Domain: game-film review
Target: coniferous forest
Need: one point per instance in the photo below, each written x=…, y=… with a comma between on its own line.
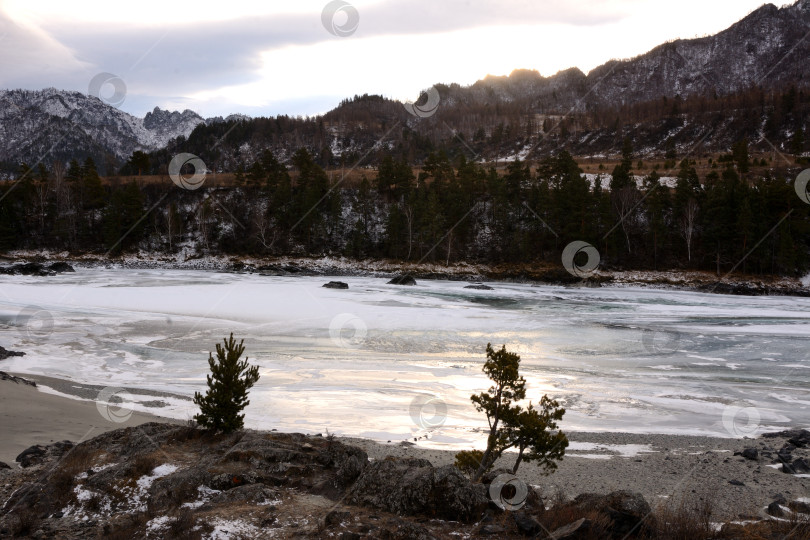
x=449, y=210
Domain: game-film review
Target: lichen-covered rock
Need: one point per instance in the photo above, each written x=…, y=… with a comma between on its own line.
x=415, y=487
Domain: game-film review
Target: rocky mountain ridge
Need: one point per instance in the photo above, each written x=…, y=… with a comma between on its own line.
x=64, y=125
x=766, y=50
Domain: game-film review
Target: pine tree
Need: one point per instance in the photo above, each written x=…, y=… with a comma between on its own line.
x=123, y=219
x=535, y=435
x=228, y=386
x=532, y=431
x=499, y=402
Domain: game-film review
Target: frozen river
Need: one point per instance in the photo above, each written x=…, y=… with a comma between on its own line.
x=392, y=362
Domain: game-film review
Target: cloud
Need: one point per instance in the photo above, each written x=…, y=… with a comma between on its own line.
x=239, y=57
x=29, y=56
x=191, y=57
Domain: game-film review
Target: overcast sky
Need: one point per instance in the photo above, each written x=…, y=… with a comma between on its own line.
x=303, y=56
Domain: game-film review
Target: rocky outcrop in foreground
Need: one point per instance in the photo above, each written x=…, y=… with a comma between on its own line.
x=168, y=481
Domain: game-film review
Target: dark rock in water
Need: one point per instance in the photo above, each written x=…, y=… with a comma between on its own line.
x=26, y=269
x=336, y=285
x=578, y=529
x=13, y=378
x=60, y=267
x=4, y=465
x=799, y=466
x=480, y=287
x=750, y=453
x=527, y=524
x=403, y=279
x=36, y=269
x=5, y=353
x=414, y=487
x=625, y=508
x=775, y=509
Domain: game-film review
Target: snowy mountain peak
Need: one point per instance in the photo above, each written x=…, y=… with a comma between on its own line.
x=60, y=124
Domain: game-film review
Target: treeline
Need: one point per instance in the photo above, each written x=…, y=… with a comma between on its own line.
x=485, y=129
x=453, y=210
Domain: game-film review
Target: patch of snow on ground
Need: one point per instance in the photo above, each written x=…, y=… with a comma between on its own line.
x=623, y=450
x=145, y=482
x=226, y=529
x=136, y=496
x=157, y=524
x=205, y=494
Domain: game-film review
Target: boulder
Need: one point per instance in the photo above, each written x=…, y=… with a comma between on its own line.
x=578, y=529
x=750, y=453
x=415, y=487
x=800, y=507
x=34, y=455
x=27, y=269
x=350, y=468
x=336, y=285
x=60, y=266
x=533, y=503
x=527, y=525
x=31, y=456
x=785, y=454
x=480, y=287
x=799, y=466
x=173, y=490
x=226, y=481
x=797, y=437
x=625, y=508
x=402, y=279
x=4, y=465
x=5, y=353
x=775, y=509
x=36, y=269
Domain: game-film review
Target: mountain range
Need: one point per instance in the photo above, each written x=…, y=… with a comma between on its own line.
x=766, y=51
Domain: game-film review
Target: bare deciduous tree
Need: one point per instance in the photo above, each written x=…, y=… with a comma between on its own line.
x=688, y=225
x=266, y=234
x=624, y=202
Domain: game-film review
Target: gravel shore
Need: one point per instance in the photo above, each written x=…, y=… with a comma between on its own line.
x=664, y=468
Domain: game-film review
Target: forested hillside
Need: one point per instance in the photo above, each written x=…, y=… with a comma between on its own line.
x=452, y=210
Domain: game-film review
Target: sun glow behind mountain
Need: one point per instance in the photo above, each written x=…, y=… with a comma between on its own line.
x=269, y=58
